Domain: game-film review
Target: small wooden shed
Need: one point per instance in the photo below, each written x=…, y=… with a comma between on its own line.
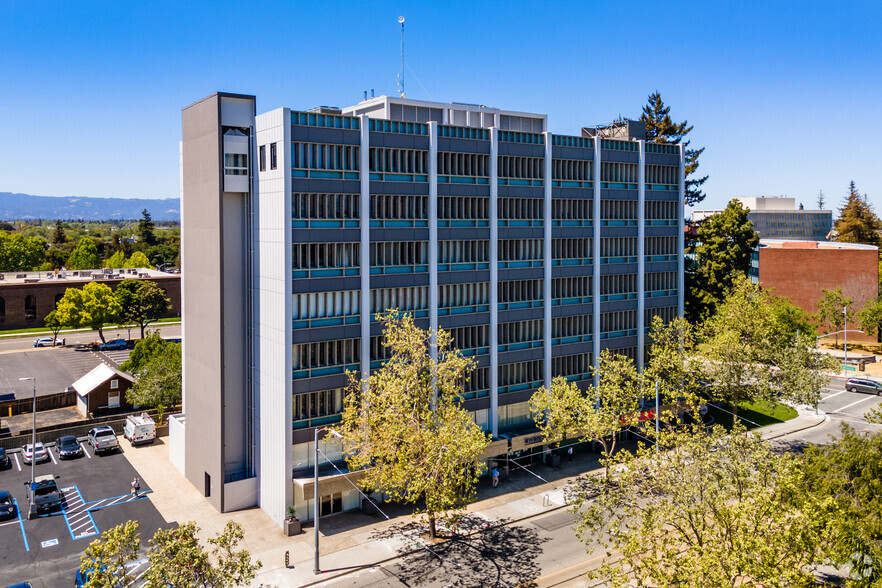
x=103, y=387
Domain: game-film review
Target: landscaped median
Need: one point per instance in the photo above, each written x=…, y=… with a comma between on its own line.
x=752, y=414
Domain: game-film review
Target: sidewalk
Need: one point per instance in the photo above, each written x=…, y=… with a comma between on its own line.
x=347, y=540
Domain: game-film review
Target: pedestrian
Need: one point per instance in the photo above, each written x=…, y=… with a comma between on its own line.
x=136, y=486
x=494, y=473
x=570, y=454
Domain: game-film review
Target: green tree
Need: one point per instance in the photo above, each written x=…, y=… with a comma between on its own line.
x=116, y=261
x=19, y=253
x=158, y=383
x=137, y=260
x=57, y=258
x=93, y=306
x=105, y=559
x=145, y=230
x=842, y=489
x=821, y=200
x=85, y=256
x=145, y=349
x=832, y=310
x=857, y=223
x=58, y=236
x=178, y=560
x=660, y=128
x=142, y=302
x=566, y=412
x=793, y=321
x=870, y=317
x=715, y=510
x=726, y=242
x=53, y=323
x=406, y=427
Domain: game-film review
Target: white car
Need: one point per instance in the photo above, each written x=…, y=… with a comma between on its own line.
x=47, y=342
x=36, y=452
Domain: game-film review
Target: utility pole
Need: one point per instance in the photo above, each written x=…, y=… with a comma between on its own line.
x=32, y=508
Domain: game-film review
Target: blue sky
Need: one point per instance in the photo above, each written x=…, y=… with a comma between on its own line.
x=783, y=95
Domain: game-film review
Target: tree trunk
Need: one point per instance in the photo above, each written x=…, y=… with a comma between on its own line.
x=432, y=529
x=142, y=329
x=101, y=335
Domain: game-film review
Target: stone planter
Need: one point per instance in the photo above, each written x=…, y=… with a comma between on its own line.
x=292, y=527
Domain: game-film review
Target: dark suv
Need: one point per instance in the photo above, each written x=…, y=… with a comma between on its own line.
x=863, y=385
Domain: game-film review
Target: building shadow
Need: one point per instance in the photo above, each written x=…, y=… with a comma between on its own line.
x=475, y=553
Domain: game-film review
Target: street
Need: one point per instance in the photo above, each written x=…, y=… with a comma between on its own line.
x=26, y=342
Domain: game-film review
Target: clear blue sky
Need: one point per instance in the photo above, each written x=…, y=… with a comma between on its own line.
x=783, y=95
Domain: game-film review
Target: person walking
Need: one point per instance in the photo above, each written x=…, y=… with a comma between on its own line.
x=570, y=454
x=494, y=474
x=136, y=486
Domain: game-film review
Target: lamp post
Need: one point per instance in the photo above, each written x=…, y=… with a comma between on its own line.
x=315, y=493
x=31, y=508
x=845, y=361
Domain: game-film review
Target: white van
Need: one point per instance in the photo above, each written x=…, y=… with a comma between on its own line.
x=140, y=429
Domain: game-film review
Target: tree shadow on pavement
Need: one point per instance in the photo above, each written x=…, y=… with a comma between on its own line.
x=475, y=553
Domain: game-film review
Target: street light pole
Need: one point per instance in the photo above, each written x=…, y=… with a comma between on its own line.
x=33, y=442
x=845, y=362
x=315, y=495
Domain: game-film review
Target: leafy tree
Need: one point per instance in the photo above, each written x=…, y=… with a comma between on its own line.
x=53, y=323
x=58, y=236
x=145, y=349
x=85, y=256
x=142, y=302
x=145, y=230
x=661, y=129
x=105, y=559
x=93, y=306
x=158, y=383
x=715, y=510
x=566, y=412
x=406, y=427
x=870, y=317
x=116, y=261
x=726, y=243
x=793, y=321
x=56, y=258
x=138, y=259
x=20, y=253
x=857, y=223
x=178, y=560
x=842, y=488
x=6, y=226
x=748, y=357
x=832, y=310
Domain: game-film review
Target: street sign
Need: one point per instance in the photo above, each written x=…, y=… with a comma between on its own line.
x=849, y=368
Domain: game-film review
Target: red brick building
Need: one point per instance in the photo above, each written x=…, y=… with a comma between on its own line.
x=800, y=270
x=27, y=297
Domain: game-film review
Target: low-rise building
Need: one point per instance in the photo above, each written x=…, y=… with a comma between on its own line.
x=103, y=388
x=778, y=217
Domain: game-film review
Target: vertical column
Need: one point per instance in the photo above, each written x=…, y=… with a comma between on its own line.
x=547, y=261
x=681, y=229
x=364, y=254
x=433, y=235
x=596, y=264
x=641, y=252
x=494, y=282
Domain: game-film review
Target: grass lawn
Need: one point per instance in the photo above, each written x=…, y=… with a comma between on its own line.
x=755, y=414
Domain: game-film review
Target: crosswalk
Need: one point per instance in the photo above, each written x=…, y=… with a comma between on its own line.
x=78, y=512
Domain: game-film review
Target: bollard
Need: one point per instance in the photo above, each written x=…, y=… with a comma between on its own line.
x=287, y=559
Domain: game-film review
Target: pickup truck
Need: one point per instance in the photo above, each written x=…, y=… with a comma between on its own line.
x=103, y=439
x=44, y=494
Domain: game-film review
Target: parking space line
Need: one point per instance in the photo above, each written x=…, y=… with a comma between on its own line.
x=18, y=465
x=21, y=525
x=49, y=451
x=8, y=523
x=83, y=447
x=833, y=395
x=853, y=403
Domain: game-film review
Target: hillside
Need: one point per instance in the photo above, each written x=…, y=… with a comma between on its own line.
x=28, y=207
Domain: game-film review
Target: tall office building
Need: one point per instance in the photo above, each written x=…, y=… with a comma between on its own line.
x=777, y=217
x=535, y=250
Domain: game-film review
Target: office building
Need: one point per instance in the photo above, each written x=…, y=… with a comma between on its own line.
x=779, y=218
x=535, y=250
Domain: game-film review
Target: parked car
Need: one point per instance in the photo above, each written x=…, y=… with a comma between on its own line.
x=113, y=344
x=7, y=506
x=103, y=439
x=44, y=493
x=36, y=452
x=68, y=446
x=4, y=459
x=140, y=429
x=47, y=342
x=863, y=385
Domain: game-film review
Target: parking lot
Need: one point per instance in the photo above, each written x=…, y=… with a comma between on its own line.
x=97, y=496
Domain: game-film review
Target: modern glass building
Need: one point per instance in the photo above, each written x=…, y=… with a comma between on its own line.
x=535, y=250
x=777, y=217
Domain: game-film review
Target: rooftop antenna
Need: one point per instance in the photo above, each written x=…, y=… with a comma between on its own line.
x=401, y=75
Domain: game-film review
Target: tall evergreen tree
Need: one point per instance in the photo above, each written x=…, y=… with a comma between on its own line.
x=660, y=128
x=145, y=229
x=821, y=200
x=58, y=236
x=857, y=222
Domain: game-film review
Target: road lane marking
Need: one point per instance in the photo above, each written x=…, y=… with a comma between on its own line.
x=21, y=524
x=853, y=403
x=833, y=395
x=49, y=451
x=83, y=447
x=18, y=465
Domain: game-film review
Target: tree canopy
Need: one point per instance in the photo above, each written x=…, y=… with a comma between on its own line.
x=85, y=256
x=157, y=367
x=405, y=425
x=725, y=245
x=146, y=228
x=19, y=253
x=93, y=306
x=660, y=128
x=857, y=223
x=141, y=302
x=832, y=310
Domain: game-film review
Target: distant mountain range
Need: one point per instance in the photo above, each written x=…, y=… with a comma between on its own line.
x=27, y=207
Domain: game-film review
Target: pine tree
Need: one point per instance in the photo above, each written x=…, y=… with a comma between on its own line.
x=58, y=237
x=145, y=229
x=821, y=200
x=857, y=222
x=660, y=128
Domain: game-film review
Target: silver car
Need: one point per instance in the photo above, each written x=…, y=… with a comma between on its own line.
x=36, y=452
x=864, y=385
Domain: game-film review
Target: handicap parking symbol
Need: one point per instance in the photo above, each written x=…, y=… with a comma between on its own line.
x=49, y=543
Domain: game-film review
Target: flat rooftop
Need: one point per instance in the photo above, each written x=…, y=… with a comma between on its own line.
x=81, y=276
x=787, y=244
